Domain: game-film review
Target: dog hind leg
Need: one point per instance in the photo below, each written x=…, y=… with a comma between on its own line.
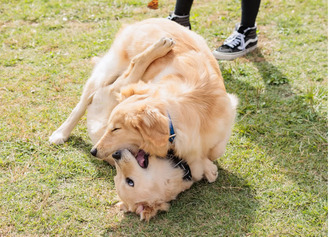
x=142, y=61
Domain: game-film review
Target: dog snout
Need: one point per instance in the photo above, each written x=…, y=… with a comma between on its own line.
x=117, y=155
x=93, y=151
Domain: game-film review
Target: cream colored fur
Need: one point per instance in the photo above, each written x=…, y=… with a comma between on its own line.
x=154, y=187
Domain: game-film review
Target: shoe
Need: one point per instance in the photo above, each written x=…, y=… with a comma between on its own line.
x=242, y=41
x=182, y=20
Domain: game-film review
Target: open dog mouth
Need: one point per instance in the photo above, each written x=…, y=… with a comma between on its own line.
x=142, y=159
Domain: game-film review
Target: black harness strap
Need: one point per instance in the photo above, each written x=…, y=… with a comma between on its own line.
x=179, y=163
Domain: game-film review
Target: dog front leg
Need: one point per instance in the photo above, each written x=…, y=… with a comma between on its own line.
x=63, y=132
x=204, y=168
x=210, y=170
x=105, y=73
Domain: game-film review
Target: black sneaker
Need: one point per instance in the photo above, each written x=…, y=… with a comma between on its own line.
x=182, y=20
x=241, y=42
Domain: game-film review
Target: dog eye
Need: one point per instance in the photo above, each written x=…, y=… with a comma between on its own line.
x=130, y=182
x=114, y=129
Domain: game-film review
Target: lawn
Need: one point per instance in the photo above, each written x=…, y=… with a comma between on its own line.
x=273, y=178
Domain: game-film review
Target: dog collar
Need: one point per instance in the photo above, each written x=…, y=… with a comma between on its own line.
x=172, y=134
x=179, y=163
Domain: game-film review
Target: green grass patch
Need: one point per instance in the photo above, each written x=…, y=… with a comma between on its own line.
x=273, y=177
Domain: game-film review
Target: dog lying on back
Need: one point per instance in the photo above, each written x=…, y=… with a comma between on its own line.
x=170, y=97
x=146, y=184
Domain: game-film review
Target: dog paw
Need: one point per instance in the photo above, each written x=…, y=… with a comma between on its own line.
x=95, y=60
x=122, y=206
x=167, y=42
x=211, y=172
x=57, y=138
x=164, y=45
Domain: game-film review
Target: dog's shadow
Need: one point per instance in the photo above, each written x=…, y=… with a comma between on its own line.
x=212, y=208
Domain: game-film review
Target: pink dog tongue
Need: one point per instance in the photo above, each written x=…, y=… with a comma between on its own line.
x=141, y=158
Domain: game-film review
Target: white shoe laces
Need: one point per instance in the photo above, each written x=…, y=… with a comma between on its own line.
x=235, y=39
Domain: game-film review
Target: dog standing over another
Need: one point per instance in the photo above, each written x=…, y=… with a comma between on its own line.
x=186, y=95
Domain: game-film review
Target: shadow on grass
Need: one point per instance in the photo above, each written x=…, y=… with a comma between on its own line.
x=79, y=143
x=225, y=207
x=282, y=122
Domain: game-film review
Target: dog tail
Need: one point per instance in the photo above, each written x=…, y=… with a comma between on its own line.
x=234, y=101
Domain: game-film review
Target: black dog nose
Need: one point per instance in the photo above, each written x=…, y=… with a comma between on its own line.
x=117, y=155
x=94, y=151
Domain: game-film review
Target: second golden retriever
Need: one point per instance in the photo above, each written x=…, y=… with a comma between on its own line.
x=146, y=184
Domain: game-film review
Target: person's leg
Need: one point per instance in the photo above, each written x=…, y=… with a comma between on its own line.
x=244, y=38
x=183, y=7
x=249, y=11
x=181, y=15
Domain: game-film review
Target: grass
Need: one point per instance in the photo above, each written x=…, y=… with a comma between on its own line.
x=273, y=178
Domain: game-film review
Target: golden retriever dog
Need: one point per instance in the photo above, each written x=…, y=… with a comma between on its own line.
x=123, y=64
x=186, y=95
x=147, y=184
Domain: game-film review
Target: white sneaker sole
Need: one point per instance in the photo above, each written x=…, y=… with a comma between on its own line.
x=231, y=56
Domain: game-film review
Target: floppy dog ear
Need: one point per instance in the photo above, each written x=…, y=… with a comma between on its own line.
x=153, y=127
x=147, y=211
x=133, y=89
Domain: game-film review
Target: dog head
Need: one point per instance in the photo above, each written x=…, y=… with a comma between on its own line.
x=146, y=184
x=134, y=124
